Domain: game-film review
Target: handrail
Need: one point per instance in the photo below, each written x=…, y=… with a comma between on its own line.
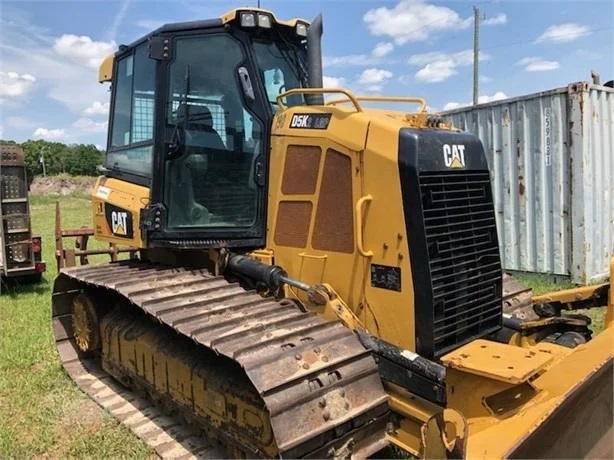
x=359, y=241
x=415, y=100
x=292, y=91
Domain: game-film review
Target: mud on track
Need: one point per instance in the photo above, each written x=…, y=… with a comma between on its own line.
x=301, y=365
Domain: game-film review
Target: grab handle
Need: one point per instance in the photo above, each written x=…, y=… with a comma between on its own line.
x=412, y=100
x=359, y=245
x=351, y=98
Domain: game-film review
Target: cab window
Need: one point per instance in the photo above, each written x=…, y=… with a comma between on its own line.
x=132, y=121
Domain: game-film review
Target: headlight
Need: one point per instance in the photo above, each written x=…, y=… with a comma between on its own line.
x=248, y=20
x=301, y=29
x=264, y=21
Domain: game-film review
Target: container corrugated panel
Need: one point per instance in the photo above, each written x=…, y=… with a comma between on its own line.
x=551, y=157
x=591, y=118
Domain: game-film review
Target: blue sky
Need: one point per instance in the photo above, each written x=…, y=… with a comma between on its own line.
x=50, y=51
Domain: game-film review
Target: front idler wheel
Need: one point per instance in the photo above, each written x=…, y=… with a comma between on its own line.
x=86, y=326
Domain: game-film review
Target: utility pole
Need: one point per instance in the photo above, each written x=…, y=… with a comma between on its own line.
x=42, y=161
x=476, y=53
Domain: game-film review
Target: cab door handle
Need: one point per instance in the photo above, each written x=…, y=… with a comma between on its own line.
x=359, y=243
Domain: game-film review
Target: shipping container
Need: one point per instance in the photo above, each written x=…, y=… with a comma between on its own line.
x=551, y=159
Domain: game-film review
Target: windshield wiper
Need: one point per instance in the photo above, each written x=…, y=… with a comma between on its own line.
x=178, y=138
x=292, y=56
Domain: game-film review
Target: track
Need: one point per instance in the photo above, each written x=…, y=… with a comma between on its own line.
x=168, y=437
x=318, y=385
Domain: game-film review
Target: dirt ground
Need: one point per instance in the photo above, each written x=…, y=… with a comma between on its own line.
x=62, y=185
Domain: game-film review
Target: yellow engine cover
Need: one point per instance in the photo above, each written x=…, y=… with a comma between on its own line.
x=116, y=207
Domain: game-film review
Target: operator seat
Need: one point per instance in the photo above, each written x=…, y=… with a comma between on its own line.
x=199, y=128
x=186, y=171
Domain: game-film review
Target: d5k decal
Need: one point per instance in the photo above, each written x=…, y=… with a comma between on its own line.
x=310, y=120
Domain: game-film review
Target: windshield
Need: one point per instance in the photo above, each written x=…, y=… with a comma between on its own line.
x=283, y=67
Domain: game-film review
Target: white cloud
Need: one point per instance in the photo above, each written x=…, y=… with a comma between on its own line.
x=373, y=80
x=83, y=50
x=353, y=59
x=453, y=105
x=370, y=80
x=374, y=76
x=498, y=96
x=14, y=85
x=48, y=134
x=439, y=66
x=460, y=58
x=499, y=19
x=413, y=21
x=81, y=127
x=537, y=64
x=375, y=57
x=436, y=72
x=97, y=108
x=485, y=79
x=382, y=49
x=333, y=82
x=63, y=66
x=563, y=33
x=86, y=125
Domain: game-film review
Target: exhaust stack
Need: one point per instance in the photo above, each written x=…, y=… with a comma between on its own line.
x=314, y=60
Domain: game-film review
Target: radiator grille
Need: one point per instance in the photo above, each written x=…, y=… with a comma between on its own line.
x=463, y=256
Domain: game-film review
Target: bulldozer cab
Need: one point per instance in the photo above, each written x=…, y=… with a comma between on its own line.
x=191, y=111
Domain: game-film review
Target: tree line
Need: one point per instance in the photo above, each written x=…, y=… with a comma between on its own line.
x=58, y=158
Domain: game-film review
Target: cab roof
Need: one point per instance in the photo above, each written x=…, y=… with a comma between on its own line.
x=105, y=71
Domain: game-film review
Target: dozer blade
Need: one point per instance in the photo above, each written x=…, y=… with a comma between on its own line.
x=262, y=377
x=570, y=415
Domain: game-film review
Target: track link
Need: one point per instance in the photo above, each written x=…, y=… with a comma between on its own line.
x=319, y=385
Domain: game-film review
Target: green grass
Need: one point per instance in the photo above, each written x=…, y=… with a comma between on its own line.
x=541, y=284
x=42, y=412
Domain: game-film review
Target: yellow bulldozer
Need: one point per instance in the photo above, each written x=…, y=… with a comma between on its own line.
x=309, y=274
